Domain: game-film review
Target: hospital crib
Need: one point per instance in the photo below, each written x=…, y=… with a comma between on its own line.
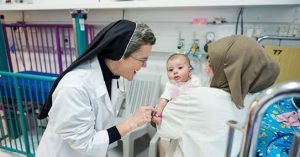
x=36, y=55
x=47, y=48
x=255, y=117
x=21, y=99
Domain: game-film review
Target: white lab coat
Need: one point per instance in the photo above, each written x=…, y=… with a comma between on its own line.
x=80, y=115
x=195, y=121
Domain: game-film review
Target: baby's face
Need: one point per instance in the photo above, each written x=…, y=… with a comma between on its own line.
x=178, y=69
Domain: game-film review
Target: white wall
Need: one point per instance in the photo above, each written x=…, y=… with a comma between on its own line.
x=167, y=23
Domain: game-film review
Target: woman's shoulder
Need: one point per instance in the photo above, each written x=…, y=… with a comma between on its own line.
x=209, y=92
x=82, y=77
x=76, y=77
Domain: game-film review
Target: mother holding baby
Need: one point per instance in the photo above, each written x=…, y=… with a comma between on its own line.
x=237, y=65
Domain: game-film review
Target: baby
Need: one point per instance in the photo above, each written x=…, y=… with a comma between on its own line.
x=180, y=78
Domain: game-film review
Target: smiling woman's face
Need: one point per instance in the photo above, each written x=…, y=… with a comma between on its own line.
x=130, y=65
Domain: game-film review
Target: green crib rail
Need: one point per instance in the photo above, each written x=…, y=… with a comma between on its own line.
x=21, y=98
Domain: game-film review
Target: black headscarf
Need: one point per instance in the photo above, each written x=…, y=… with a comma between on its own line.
x=111, y=42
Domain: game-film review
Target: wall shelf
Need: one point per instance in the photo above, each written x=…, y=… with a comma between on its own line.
x=108, y=4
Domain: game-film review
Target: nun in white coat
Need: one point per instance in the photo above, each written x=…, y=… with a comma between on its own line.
x=80, y=109
x=196, y=120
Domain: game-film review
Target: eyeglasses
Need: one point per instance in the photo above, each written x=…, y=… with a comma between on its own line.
x=144, y=62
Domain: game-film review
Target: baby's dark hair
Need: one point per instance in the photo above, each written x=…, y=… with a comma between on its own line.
x=180, y=54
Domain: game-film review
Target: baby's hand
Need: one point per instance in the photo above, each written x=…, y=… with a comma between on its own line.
x=156, y=117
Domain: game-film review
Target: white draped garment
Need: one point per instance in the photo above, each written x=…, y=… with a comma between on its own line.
x=195, y=121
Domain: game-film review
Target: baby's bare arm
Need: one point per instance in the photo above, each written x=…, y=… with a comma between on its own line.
x=157, y=117
x=161, y=104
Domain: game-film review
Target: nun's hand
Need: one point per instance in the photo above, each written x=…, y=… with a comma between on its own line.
x=156, y=117
x=140, y=117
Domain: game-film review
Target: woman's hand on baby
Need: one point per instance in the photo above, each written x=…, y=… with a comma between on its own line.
x=157, y=117
x=143, y=114
x=140, y=117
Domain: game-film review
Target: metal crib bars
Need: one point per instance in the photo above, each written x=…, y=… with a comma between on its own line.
x=255, y=116
x=41, y=47
x=21, y=97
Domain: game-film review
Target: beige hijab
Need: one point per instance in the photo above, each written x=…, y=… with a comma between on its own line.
x=240, y=65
